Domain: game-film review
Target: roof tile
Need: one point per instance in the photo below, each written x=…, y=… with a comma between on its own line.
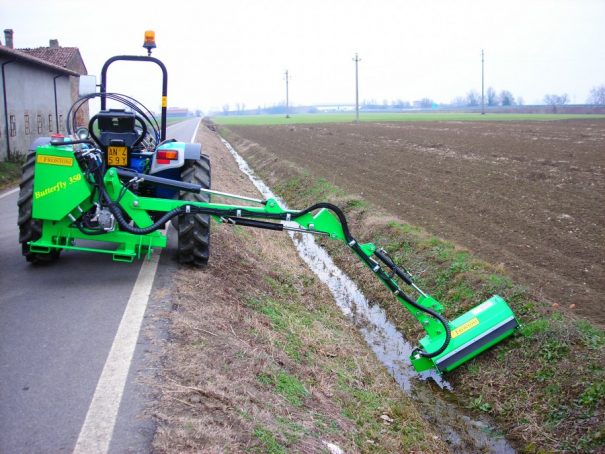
x=59, y=57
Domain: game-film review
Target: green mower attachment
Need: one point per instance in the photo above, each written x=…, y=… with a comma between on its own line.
x=470, y=334
x=449, y=344
x=72, y=187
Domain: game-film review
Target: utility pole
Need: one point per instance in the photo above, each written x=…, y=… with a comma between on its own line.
x=482, y=86
x=356, y=60
x=287, y=101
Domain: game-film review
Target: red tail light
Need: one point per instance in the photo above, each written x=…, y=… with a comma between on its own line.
x=165, y=156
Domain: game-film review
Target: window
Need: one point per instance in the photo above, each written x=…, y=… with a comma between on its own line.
x=40, y=124
x=27, y=131
x=13, y=126
x=50, y=123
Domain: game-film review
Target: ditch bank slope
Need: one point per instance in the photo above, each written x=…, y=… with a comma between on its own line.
x=260, y=359
x=545, y=386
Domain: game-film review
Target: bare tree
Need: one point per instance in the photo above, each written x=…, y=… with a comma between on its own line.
x=369, y=102
x=556, y=100
x=473, y=98
x=507, y=98
x=597, y=95
x=551, y=100
x=240, y=107
x=492, y=97
x=426, y=102
x=458, y=101
x=520, y=101
x=226, y=109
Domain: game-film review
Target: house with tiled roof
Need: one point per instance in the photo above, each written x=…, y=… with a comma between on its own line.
x=38, y=87
x=65, y=57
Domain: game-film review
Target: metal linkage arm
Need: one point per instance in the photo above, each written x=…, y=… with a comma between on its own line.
x=321, y=218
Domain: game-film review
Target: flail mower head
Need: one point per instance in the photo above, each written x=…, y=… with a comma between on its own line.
x=447, y=344
x=470, y=334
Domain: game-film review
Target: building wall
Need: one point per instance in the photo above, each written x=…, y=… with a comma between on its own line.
x=76, y=64
x=31, y=104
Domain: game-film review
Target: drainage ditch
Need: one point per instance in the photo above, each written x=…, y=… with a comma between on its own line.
x=464, y=432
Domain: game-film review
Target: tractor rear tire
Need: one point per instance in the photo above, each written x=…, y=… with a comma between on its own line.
x=30, y=229
x=194, y=229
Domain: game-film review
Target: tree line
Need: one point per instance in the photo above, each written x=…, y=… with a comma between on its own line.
x=504, y=98
x=493, y=98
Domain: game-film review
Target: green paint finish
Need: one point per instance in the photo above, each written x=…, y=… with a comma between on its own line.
x=472, y=333
x=58, y=183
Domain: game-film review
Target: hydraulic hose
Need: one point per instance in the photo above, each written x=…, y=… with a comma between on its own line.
x=383, y=276
x=115, y=210
x=136, y=230
x=88, y=232
x=282, y=216
x=398, y=292
x=438, y=316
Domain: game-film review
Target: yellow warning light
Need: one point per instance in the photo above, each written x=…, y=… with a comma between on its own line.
x=149, y=41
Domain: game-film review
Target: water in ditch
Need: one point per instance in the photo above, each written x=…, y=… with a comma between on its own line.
x=463, y=432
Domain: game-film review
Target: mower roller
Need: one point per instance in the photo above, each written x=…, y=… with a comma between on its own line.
x=120, y=181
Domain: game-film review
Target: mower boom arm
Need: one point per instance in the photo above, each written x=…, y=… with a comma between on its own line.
x=317, y=219
x=70, y=195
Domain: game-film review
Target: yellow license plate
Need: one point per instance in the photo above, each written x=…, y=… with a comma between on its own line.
x=117, y=156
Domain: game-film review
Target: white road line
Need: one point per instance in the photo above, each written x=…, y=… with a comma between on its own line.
x=195, y=132
x=97, y=430
x=12, y=191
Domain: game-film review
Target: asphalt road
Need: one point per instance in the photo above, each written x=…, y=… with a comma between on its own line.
x=57, y=326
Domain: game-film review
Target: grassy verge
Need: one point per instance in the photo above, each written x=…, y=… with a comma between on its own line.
x=10, y=171
x=545, y=386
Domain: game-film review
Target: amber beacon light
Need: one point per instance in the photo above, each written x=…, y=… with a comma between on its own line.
x=149, y=41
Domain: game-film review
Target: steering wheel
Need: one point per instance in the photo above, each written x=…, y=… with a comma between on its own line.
x=140, y=131
x=143, y=132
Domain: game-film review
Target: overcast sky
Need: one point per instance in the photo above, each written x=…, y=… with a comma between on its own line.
x=237, y=51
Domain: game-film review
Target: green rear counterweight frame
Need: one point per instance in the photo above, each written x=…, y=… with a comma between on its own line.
x=62, y=193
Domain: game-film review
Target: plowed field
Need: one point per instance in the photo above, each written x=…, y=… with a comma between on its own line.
x=527, y=195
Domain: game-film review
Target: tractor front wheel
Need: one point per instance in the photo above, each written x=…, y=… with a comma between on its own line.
x=194, y=229
x=30, y=229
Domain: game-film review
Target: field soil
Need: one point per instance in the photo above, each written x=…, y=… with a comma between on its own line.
x=526, y=196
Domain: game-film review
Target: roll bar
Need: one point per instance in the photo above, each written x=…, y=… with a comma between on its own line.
x=103, y=85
